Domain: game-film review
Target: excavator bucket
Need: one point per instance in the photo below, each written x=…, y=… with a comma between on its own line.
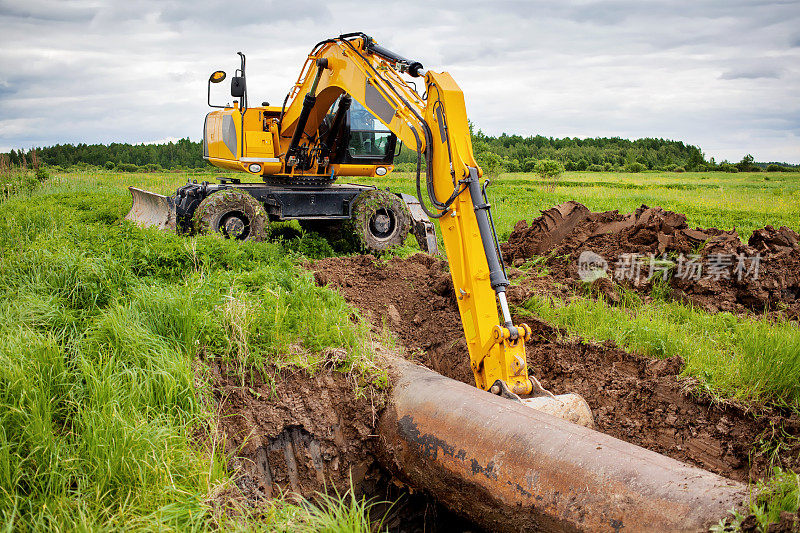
x=151, y=209
x=570, y=407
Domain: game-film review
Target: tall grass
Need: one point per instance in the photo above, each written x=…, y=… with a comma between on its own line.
x=100, y=323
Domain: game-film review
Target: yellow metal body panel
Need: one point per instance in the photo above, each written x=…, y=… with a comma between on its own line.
x=491, y=358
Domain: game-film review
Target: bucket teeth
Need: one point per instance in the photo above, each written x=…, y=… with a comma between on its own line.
x=151, y=210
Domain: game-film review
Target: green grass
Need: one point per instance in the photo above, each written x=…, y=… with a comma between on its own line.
x=779, y=493
x=330, y=512
x=101, y=398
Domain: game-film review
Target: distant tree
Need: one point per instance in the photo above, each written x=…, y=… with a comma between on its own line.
x=512, y=165
x=746, y=164
x=491, y=163
x=528, y=165
x=695, y=159
x=634, y=167
x=549, y=170
x=127, y=167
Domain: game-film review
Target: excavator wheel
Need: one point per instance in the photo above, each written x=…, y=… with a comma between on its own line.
x=232, y=214
x=381, y=220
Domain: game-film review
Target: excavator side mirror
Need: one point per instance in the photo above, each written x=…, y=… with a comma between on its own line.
x=217, y=76
x=237, y=86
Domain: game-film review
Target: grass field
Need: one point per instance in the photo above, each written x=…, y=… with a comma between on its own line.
x=101, y=397
x=100, y=323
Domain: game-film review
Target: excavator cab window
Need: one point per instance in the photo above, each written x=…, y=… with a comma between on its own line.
x=362, y=138
x=370, y=142
x=369, y=138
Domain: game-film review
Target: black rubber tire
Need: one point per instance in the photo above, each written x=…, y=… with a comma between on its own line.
x=233, y=214
x=380, y=220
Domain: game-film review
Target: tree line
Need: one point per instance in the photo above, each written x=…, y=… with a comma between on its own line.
x=504, y=153
x=172, y=155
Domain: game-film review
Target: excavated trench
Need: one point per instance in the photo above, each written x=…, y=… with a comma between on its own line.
x=303, y=434
x=636, y=399
x=294, y=433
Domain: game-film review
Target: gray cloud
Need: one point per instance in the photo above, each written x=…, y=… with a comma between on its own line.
x=721, y=74
x=751, y=73
x=47, y=11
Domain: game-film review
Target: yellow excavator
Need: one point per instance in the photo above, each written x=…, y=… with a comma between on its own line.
x=351, y=103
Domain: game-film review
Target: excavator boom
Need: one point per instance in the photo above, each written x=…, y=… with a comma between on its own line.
x=437, y=128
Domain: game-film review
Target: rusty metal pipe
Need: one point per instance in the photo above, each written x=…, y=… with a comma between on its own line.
x=511, y=468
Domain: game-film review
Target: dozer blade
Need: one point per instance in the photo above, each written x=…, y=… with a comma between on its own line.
x=151, y=209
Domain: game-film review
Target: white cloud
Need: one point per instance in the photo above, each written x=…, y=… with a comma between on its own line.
x=720, y=74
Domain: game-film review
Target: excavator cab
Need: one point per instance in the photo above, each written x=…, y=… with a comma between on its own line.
x=362, y=139
x=349, y=140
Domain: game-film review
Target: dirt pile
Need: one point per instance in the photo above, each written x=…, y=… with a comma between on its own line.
x=709, y=267
x=637, y=399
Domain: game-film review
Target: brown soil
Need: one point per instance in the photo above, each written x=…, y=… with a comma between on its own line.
x=637, y=399
x=302, y=434
x=564, y=232
x=296, y=433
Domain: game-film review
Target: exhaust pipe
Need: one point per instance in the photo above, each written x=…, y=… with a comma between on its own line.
x=509, y=467
x=152, y=210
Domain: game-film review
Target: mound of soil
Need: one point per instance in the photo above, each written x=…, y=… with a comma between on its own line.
x=709, y=267
x=636, y=399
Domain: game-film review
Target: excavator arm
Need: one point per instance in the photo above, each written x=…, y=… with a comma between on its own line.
x=436, y=127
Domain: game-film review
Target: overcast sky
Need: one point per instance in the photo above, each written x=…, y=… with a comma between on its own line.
x=723, y=75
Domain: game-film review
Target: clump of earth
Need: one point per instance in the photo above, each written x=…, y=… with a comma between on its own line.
x=709, y=267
